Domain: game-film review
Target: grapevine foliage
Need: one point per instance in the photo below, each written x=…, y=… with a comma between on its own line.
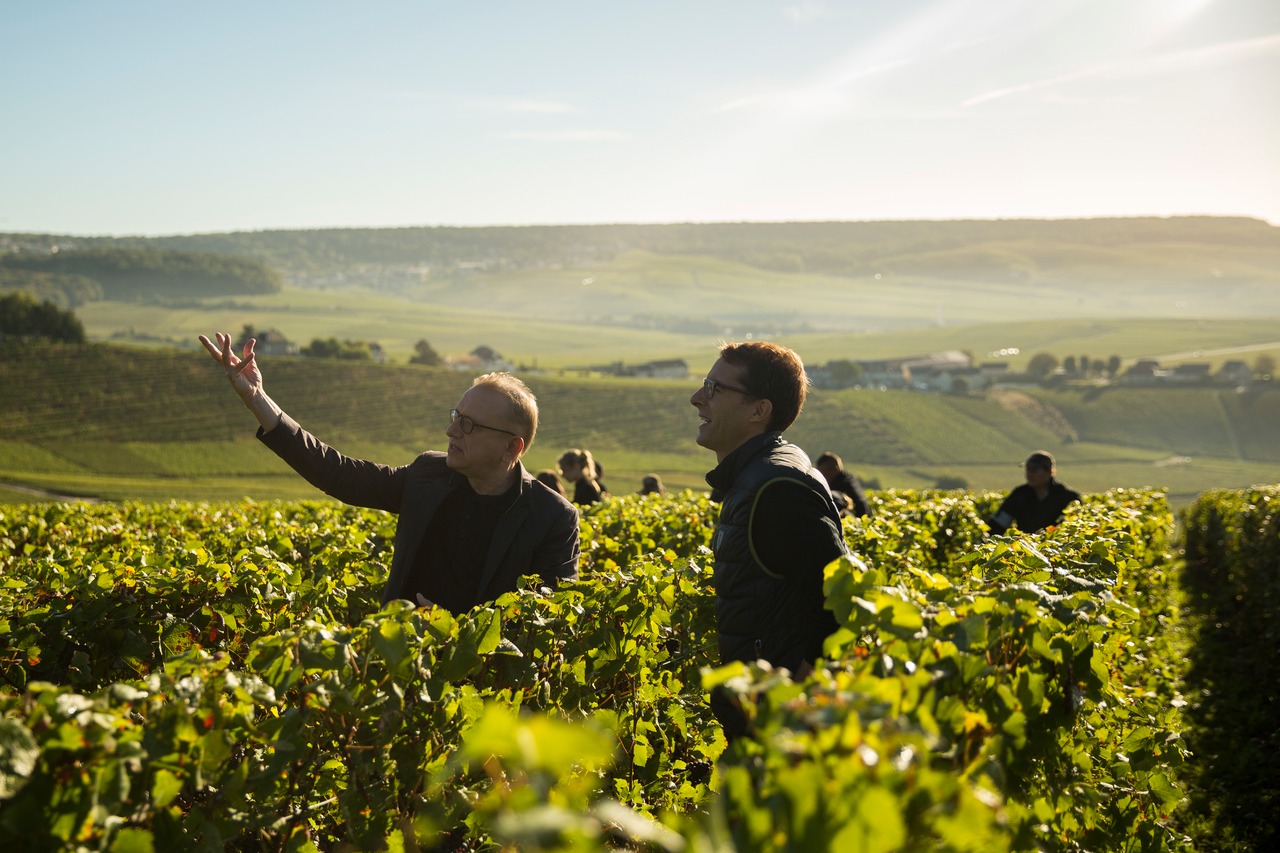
x=203, y=676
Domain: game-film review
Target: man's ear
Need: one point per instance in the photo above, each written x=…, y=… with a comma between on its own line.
x=515, y=447
x=761, y=411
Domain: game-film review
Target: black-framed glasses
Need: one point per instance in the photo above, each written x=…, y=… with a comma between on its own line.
x=711, y=386
x=468, y=423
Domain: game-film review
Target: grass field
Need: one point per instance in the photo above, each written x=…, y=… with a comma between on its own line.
x=154, y=424
x=642, y=307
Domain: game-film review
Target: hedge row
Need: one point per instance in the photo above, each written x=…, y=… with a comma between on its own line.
x=1232, y=580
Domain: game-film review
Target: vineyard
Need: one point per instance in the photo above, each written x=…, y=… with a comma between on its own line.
x=213, y=676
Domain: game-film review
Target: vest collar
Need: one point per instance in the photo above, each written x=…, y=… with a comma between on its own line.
x=722, y=477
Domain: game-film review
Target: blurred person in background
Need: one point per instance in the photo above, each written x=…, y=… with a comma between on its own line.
x=651, y=485
x=577, y=467
x=845, y=486
x=551, y=480
x=1037, y=503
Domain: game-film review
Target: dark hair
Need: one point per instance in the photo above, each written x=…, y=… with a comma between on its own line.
x=579, y=459
x=829, y=458
x=1040, y=459
x=551, y=480
x=773, y=373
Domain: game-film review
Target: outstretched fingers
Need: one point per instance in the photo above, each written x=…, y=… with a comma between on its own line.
x=212, y=347
x=221, y=352
x=246, y=362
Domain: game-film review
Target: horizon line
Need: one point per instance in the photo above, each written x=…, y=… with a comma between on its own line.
x=637, y=223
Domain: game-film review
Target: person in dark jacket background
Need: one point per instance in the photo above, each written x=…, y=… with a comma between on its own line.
x=471, y=521
x=1037, y=503
x=778, y=527
x=843, y=482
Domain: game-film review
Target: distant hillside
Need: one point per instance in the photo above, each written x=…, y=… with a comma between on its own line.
x=1182, y=421
x=1018, y=250
x=706, y=280
x=65, y=406
x=126, y=273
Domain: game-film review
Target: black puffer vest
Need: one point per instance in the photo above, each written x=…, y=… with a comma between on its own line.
x=774, y=613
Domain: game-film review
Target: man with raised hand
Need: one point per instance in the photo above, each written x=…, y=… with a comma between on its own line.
x=471, y=520
x=778, y=526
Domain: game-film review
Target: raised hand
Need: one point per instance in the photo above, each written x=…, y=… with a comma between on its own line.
x=242, y=372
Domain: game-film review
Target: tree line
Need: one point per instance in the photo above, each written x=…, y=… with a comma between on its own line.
x=75, y=276
x=1042, y=365
x=22, y=318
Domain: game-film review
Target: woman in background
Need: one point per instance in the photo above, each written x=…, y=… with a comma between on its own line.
x=579, y=468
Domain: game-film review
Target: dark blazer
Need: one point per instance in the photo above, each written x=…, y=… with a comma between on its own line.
x=538, y=535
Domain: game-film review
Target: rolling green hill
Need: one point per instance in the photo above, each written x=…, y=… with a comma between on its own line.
x=1014, y=248
x=758, y=278
x=159, y=424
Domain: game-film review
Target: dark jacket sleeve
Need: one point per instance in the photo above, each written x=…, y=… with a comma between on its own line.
x=353, y=481
x=555, y=557
x=859, y=497
x=1003, y=518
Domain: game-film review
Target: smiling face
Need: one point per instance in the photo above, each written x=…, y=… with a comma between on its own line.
x=728, y=417
x=485, y=456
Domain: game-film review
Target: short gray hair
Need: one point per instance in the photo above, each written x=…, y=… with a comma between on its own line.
x=524, y=406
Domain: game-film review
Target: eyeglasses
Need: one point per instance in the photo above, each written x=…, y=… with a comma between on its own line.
x=710, y=387
x=468, y=424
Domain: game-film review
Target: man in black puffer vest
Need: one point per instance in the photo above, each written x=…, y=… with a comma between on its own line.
x=779, y=526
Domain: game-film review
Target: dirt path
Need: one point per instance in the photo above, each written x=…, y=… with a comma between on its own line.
x=1037, y=411
x=1206, y=353
x=45, y=495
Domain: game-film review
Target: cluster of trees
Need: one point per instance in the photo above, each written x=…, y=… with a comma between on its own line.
x=333, y=348
x=66, y=290
x=1042, y=364
x=424, y=353
x=348, y=350
x=114, y=272
x=1264, y=367
x=23, y=318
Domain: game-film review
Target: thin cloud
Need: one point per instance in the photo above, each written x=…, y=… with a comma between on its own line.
x=533, y=106
x=486, y=104
x=564, y=135
x=831, y=96
x=805, y=11
x=1166, y=63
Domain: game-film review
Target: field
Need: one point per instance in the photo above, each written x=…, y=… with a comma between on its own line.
x=561, y=302
x=156, y=424
x=571, y=337
x=209, y=675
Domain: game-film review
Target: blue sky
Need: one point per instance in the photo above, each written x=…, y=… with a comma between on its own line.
x=163, y=118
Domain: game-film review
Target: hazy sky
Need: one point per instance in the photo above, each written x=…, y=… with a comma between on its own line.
x=162, y=118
